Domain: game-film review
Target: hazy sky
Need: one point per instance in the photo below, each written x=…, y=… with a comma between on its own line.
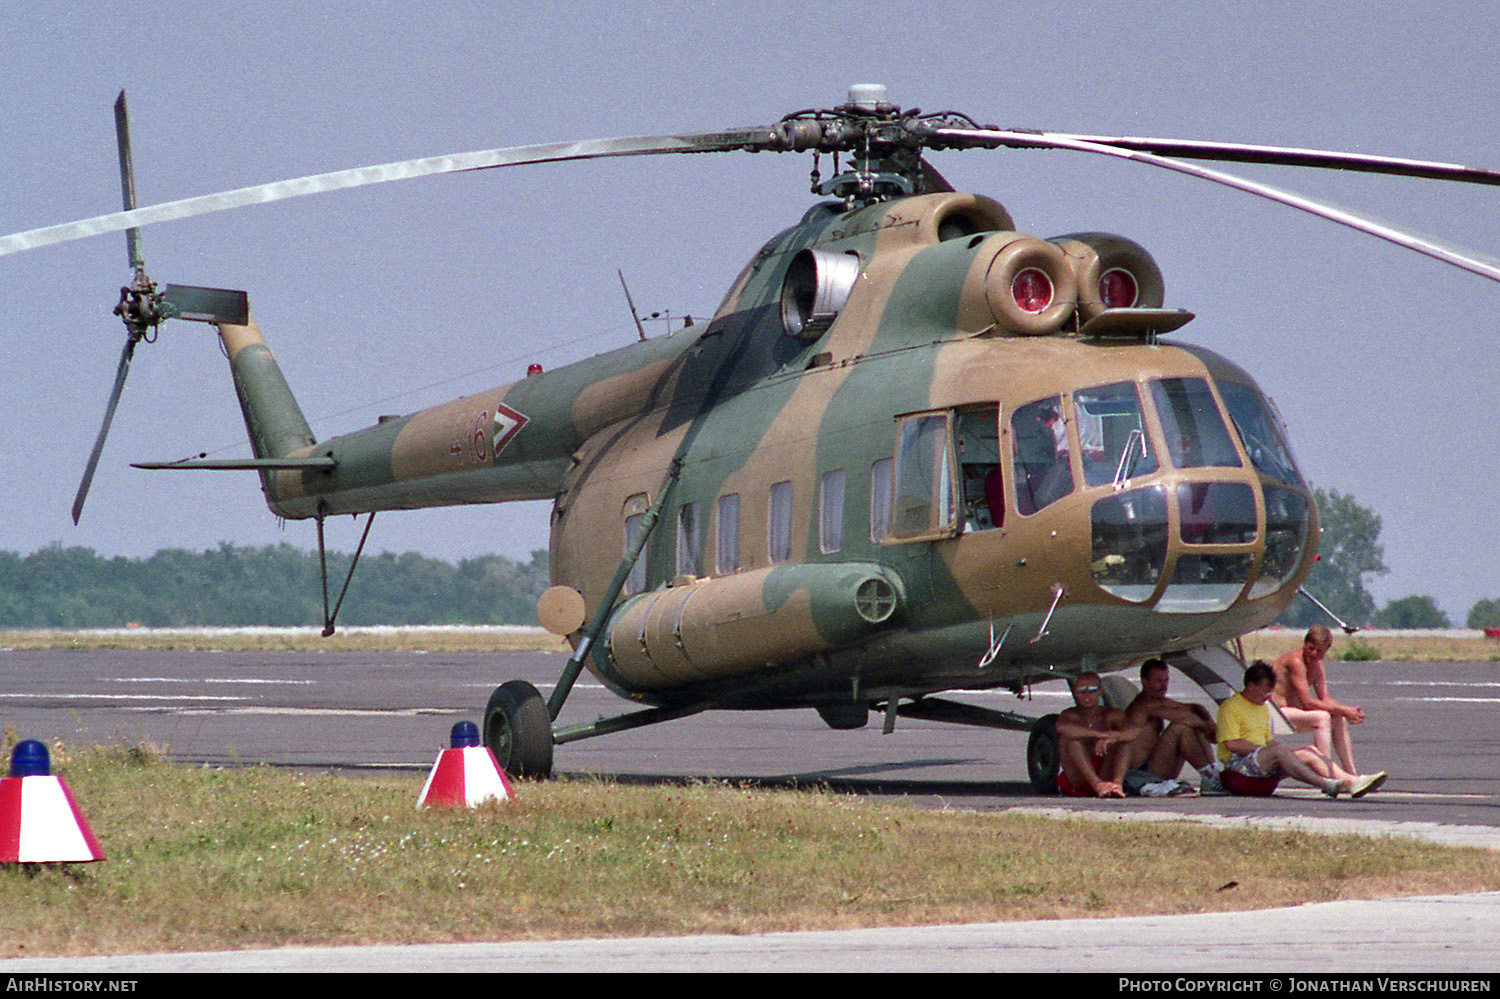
x=396, y=297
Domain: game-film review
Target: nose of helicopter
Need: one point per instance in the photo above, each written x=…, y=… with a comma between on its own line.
x=1188, y=545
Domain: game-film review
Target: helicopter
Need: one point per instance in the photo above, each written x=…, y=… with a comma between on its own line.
x=914, y=450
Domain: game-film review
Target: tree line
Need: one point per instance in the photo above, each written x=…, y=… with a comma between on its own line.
x=278, y=585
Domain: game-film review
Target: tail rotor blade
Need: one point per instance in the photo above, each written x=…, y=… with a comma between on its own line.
x=127, y=181
x=109, y=416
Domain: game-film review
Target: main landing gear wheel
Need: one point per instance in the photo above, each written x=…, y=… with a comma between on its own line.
x=1042, y=759
x=518, y=730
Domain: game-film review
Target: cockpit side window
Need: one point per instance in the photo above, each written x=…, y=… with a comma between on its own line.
x=1287, y=520
x=1260, y=431
x=1039, y=447
x=1195, y=433
x=1112, y=434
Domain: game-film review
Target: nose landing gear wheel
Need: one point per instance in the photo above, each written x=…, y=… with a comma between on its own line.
x=518, y=731
x=1042, y=759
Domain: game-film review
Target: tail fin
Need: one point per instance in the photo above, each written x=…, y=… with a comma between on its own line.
x=274, y=420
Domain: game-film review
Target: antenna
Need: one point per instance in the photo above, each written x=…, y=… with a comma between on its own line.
x=631, y=302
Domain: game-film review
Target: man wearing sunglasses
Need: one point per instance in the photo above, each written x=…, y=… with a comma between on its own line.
x=1094, y=743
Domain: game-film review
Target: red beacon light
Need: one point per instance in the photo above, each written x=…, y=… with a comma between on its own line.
x=532, y=370
x=1117, y=289
x=1032, y=290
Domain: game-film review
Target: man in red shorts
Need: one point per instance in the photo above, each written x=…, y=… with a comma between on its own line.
x=1093, y=743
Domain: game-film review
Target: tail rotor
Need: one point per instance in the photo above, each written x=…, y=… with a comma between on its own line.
x=143, y=305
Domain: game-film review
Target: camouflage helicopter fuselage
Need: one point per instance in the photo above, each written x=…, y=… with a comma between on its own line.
x=888, y=466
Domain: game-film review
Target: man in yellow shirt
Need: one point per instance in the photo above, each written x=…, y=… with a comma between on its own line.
x=1246, y=746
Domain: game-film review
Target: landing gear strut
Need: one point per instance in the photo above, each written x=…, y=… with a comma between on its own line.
x=518, y=731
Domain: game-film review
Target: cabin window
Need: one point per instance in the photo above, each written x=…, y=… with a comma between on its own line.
x=880, y=500
x=831, y=512
x=727, y=533
x=978, y=443
x=1195, y=433
x=636, y=581
x=689, y=541
x=1112, y=436
x=1039, y=445
x=1260, y=431
x=779, y=533
x=923, y=476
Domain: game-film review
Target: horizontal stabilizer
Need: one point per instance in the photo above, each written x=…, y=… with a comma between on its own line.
x=206, y=305
x=241, y=464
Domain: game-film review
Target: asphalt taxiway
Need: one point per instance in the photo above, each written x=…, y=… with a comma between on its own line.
x=1430, y=725
x=1449, y=935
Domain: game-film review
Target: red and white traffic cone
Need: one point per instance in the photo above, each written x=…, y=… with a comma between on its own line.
x=40, y=823
x=465, y=775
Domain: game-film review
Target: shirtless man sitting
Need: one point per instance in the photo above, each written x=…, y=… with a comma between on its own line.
x=1302, y=695
x=1174, y=732
x=1094, y=743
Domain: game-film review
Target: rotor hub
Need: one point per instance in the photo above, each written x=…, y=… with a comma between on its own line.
x=884, y=140
x=140, y=306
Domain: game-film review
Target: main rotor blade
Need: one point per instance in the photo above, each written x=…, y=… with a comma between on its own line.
x=127, y=181
x=109, y=416
x=645, y=145
x=1235, y=152
x=990, y=138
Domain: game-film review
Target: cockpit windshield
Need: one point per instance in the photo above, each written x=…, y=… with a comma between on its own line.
x=1196, y=435
x=1261, y=432
x=1164, y=543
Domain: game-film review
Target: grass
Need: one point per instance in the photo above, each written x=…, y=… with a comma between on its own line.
x=1359, y=651
x=1267, y=644
x=204, y=858
x=1404, y=646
